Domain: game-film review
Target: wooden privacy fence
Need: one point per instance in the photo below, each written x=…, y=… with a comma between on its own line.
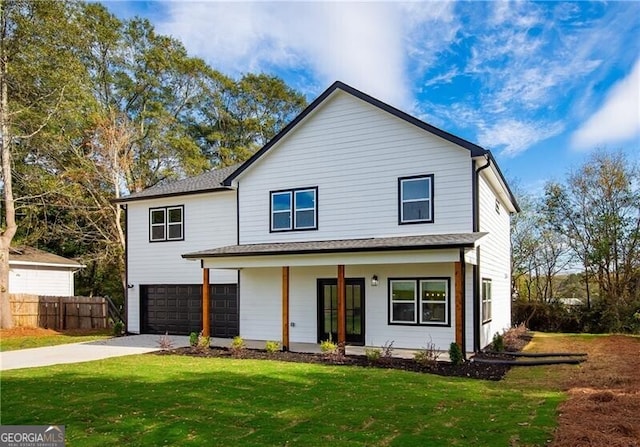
x=59, y=312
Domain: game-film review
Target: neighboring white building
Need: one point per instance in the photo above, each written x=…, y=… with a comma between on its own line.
x=356, y=213
x=37, y=272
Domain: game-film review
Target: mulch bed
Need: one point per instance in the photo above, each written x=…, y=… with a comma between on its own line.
x=467, y=369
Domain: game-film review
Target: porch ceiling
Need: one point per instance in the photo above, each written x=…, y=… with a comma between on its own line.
x=402, y=249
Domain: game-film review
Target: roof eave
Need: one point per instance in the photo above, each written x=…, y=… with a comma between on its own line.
x=204, y=255
x=171, y=194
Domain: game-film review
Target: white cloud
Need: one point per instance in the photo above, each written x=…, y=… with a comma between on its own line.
x=358, y=43
x=617, y=120
x=516, y=136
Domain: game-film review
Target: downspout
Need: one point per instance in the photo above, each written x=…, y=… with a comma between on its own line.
x=476, y=268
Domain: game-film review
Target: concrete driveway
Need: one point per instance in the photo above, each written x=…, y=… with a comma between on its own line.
x=86, y=351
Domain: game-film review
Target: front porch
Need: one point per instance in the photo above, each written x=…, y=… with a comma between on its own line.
x=408, y=290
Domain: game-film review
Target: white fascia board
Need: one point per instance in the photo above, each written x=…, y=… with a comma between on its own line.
x=314, y=259
x=47, y=264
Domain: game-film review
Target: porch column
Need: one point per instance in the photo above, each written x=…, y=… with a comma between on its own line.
x=459, y=285
x=206, y=318
x=285, y=308
x=342, y=310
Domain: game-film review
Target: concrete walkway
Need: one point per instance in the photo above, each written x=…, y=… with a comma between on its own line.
x=86, y=351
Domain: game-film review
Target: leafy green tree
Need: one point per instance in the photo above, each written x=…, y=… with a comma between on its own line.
x=598, y=211
x=40, y=76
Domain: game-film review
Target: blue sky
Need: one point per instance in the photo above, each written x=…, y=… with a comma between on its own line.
x=540, y=84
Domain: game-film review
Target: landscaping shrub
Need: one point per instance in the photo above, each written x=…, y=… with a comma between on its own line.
x=498, y=342
x=118, y=328
x=165, y=342
x=455, y=354
x=272, y=347
x=193, y=339
x=238, y=346
x=514, y=336
x=427, y=356
x=204, y=342
x=373, y=354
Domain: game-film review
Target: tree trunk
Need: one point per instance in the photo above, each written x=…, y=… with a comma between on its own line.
x=8, y=227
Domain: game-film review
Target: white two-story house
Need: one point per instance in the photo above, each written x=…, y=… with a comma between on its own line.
x=356, y=222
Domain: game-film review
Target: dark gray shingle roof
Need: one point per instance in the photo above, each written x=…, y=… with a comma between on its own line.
x=209, y=181
x=431, y=241
x=18, y=255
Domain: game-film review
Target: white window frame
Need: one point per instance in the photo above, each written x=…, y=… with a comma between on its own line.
x=487, y=300
x=428, y=200
x=289, y=210
x=173, y=224
x=392, y=301
x=445, y=302
x=165, y=223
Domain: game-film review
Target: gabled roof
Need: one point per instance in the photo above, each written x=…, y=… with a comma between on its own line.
x=34, y=256
x=397, y=243
x=208, y=182
x=473, y=148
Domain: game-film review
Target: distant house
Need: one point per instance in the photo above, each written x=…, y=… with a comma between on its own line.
x=356, y=222
x=38, y=272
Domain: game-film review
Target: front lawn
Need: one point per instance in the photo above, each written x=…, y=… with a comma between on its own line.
x=153, y=400
x=24, y=338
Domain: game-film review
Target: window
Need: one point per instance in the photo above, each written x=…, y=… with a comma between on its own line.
x=497, y=206
x=422, y=301
x=486, y=300
x=416, y=199
x=294, y=209
x=166, y=224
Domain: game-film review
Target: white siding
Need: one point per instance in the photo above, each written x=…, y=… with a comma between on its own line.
x=495, y=262
x=40, y=280
x=354, y=153
x=261, y=304
x=209, y=221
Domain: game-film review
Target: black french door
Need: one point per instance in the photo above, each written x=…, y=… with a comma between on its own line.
x=328, y=310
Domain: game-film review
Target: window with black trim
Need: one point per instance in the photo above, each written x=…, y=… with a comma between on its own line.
x=415, y=197
x=419, y=301
x=166, y=224
x=486, y=300
x=294, y=209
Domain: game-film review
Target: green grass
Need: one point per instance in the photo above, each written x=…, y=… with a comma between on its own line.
x=25, y=342
x=183, y=401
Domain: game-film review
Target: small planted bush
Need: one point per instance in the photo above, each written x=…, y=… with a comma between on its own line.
x=118, y=328
x=328, y=346
x=332, y=351
x=373, y=354
x=427, y=356
x=515, y=338
x=455, y=354
x=272, y=347
x=193, y=339
x=204, y=341
x=238, y=346
x=498, y=342
x=165, y=342
x=387, y=351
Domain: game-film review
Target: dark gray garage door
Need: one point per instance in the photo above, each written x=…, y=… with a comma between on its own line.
x=177, y=309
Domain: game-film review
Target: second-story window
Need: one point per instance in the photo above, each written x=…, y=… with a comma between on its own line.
x=166, y=224
x=415, y=199
x=294, y=209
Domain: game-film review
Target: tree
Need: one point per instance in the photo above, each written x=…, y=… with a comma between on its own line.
x=113, y=108
x=35, y=83
x=598, y=211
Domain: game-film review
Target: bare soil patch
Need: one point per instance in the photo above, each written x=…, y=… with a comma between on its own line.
x=603, y=409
